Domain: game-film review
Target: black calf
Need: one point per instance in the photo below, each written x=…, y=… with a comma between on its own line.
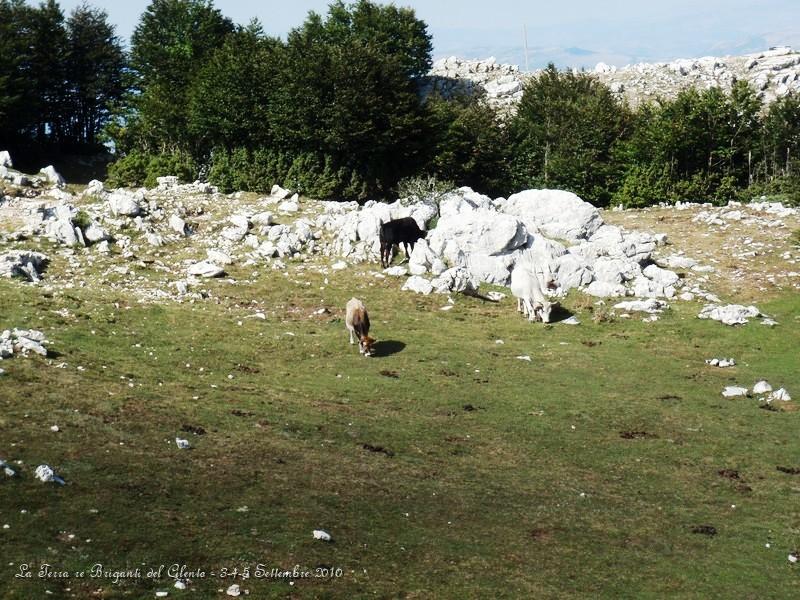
x=400, y=231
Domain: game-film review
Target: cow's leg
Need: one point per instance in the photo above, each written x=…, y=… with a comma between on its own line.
x=519, y=304
x=352, y=338
x=531, y=311
x=408, y=254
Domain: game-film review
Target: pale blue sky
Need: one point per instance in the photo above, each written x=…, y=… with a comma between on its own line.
x=576, y=33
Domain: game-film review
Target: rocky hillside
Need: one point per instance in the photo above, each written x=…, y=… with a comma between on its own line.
x=773, y=73
x=161, y=244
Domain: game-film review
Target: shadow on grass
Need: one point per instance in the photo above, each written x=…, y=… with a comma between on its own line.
x=387, y=348
x=559, y=313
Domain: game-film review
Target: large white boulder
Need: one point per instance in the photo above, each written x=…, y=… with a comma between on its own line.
x=480, y=231
x=556, y=213
x=52, y=176
x=463, y=200
x=279, y=193
x=491, y=269
x=571, y=272
x=123, y=203
x=62, y=231
x=5, y=159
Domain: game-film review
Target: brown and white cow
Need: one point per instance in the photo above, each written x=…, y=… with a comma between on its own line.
x=357, y=321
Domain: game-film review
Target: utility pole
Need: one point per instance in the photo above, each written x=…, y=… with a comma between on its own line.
x=525, y=37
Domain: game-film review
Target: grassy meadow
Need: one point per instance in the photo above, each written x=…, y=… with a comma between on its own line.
x=609, y=465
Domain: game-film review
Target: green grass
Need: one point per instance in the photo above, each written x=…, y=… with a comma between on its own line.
x=529, y=492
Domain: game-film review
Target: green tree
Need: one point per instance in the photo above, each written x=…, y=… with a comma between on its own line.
x=698, y=146
x=170, y=44
x=45, y=65
x=469, y=143
x=349, y=93
x=564, y=135
x=231, y=97
x=15, y=94
x=95, y=63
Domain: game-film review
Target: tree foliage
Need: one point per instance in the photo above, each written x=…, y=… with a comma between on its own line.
x=170, y=44
x=58, y=77
x=565, y=134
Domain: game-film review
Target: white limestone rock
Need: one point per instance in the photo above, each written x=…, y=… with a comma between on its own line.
x=605, y=289
x=219, y=257
x=650, y=306
x=732, y=314
x=762, y=387
x=455, y=280
x=733, y=391
x=556, y=213
x=178, y=225
x=396, y=271
x=123, y=203
x=781, y=395
x=22, y=263
x=418, y=284
x=95, y=233
x=52, y=176
x=480, y=231
x=205, y=269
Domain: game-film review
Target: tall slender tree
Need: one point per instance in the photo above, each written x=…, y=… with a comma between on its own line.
x=95, y=62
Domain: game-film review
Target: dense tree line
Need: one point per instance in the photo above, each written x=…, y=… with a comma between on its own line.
x=335, y=111
x=60, y=77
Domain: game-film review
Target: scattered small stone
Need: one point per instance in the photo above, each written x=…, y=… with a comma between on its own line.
x=780, y=394
x=762, y=387
x=7, y=469
x=322, y=535
x=721, y=362
x=182, y=444
x=45, y=474
x=734, y=391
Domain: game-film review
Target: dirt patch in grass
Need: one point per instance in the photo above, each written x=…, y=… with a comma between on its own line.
x=195, y=429
x=378, y=449
x=789, y=470
x=729, y=474
x=637, y=435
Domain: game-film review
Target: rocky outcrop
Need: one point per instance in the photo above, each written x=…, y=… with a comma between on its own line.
x=773, y=73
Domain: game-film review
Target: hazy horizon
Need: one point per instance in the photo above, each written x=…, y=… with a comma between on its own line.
x=618, y=32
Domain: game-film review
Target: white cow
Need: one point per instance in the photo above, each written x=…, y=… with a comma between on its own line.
x=531, y=300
